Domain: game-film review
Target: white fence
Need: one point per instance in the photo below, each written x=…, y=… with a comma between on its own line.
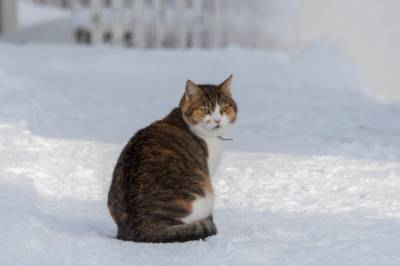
x=182, y=23
x=185, y=23
x=61, y=3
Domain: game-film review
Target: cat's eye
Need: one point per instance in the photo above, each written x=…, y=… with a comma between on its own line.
x=224, y=109
x=206, y=110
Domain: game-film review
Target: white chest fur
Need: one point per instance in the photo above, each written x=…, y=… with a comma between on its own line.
x=202, y=207
x=214, y=146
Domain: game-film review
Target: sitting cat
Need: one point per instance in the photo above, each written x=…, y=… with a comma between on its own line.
x=161, y=189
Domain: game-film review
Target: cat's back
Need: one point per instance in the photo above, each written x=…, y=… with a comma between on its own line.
x=165, y=149
x=165, y=138
x=158, y=158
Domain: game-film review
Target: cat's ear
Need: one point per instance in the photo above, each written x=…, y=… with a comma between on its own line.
x=225, y=86
x=191, y=90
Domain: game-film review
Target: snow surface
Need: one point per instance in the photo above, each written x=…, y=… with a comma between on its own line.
x=311, y=178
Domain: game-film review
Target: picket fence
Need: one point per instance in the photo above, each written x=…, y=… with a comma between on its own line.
x=170, y=23
x=185, y=23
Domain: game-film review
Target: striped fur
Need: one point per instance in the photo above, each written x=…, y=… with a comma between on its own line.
x=162, y=170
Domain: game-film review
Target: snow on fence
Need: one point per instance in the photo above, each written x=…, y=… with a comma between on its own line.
x=185, y=23
x=61, y=3
x=178, y=23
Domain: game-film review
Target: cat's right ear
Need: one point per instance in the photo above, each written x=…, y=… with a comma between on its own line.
x=191, y=90
x=226, y=86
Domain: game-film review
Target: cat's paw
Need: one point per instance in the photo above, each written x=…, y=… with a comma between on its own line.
x=211, y=229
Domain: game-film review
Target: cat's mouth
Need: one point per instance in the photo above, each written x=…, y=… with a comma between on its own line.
x=216, y=127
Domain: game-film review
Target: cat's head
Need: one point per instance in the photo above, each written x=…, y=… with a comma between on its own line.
x=208, y=109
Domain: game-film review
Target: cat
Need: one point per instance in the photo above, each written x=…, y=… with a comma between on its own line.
x=161, y=189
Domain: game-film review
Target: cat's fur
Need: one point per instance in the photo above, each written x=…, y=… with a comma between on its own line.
x=161, y=184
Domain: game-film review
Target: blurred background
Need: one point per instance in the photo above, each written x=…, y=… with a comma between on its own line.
x=365, y=30
x=312, y=176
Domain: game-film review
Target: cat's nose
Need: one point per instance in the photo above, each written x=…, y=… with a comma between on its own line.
x=217, y=121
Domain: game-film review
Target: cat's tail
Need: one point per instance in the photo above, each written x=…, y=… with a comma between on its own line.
x=173, y=233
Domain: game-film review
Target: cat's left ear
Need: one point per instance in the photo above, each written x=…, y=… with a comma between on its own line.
x=225, y=86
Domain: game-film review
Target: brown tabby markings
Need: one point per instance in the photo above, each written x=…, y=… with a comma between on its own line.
x=205, y=182
x=161, y=170
x=184, y=204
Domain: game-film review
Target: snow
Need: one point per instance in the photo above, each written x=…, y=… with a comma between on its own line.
x=312, y=176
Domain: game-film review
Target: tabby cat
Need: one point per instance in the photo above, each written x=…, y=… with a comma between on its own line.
x=161, y=189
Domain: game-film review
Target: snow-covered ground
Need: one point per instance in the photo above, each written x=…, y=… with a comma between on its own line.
x=311, y=178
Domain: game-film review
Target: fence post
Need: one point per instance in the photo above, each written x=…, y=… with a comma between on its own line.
x=158, y=23
x=96, y=27
x=197, y=23
x=226, y=18
x=117, y=27
x=139, y=37
x=216, y=33
x=180, y=24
